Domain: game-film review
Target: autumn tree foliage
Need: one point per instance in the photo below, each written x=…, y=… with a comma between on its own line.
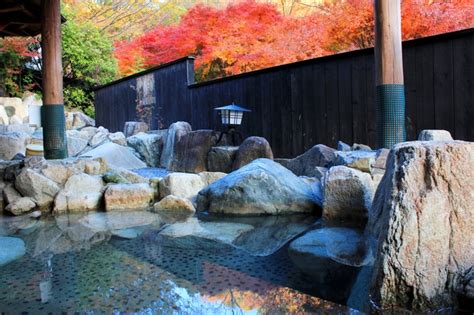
x=250, y=35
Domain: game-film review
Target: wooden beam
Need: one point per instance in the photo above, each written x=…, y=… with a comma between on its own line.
x=52, y=111
x=390, y=91
x=51, y=52
x=388, y=42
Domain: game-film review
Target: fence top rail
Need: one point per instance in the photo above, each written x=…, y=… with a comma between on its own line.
x=407, y=43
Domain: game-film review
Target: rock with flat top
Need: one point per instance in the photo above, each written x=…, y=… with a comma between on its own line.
x=128, y=196
x=348, y=195
x=435, y=135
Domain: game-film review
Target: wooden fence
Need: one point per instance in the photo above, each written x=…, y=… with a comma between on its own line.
x=298, y=105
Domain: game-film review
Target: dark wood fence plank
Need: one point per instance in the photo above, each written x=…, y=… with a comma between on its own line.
x=321, y=100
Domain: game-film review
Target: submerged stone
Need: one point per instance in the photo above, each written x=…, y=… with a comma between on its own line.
x=11, y=248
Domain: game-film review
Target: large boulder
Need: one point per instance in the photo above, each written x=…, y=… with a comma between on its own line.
x=42, y=189
x=307, y=163
x=11, y=248
x=423, y=218
x=82, y=192
x=348, y=195
x=182, y=185
x=175, y=132
x=149, y=146
x=191, y=151
x=221, y=159
x=116, y=155
x=12, y=143
x=360, y=160
x=261, y=187
x=251, y=149
x=128, y=196
x=133, y=127
x=435, y=135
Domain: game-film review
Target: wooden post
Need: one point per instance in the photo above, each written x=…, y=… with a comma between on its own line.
x=52, y=114
x=390, y=90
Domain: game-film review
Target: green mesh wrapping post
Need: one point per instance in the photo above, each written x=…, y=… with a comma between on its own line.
x=54, y=135
x=390, y=102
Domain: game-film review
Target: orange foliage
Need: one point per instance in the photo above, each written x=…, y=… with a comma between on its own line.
x=250, y=35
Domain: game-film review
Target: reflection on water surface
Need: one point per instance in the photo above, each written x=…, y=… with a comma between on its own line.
x=144, y=263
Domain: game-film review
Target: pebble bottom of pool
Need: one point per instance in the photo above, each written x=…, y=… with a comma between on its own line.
x=97, y=264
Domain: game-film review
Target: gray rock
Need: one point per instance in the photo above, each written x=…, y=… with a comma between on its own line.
x=342, y=146
x=175, y=132
x=360, y=160
x=466, y=284
x=81, y=120
x=128, y=196
x=128, y=234
x=87, y=133
x=307, y=163
x=12, y=143
x=348, y=195
x=251, y=149
x=381, y=159
x=133, y=127
x=60, y=170
x=21, y=206
x=261, y=187
x=423, y=218
x=149, y=146
x=100, y=137
x=435, y=135
x=39, y=187
x=116, y=155
x=75, y=145
x=335, y=245
x=221, y=159
x=11, y=248
x=118, y=138
x=360, y=147
x=10, y=194
x=331, y=256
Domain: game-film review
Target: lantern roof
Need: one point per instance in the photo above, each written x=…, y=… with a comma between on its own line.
x=233, y=107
